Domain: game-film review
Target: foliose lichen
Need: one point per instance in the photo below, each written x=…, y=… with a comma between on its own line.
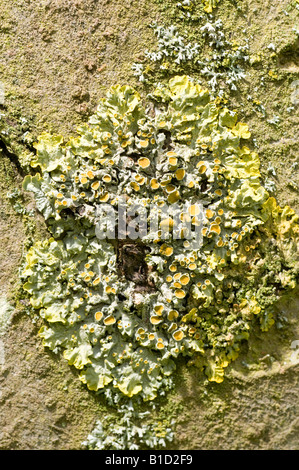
x=222, y=64
x=123, y=310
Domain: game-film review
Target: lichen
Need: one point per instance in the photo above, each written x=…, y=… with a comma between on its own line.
x=129, y=432
x=6, y=311
x=122, y=326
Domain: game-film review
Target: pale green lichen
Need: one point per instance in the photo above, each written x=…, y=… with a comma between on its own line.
x=222, y=65
x=199, y=302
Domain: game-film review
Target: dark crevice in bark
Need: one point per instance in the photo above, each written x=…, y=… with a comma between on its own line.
x=12, y=157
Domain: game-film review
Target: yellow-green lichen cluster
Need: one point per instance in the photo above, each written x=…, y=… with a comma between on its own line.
x=209, y=5
x=118, y=330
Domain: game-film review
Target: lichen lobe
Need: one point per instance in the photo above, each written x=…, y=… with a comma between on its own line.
x=122, y=311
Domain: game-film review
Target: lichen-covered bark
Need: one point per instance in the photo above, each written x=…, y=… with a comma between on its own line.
x=57, y=59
